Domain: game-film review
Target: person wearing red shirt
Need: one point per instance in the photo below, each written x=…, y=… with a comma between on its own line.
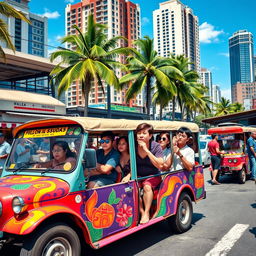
x=214, y=149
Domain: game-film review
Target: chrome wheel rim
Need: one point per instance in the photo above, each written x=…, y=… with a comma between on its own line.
x=243, y=175
x=58, y=246
x=184, y=212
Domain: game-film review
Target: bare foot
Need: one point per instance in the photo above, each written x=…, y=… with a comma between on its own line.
x=215, y=182
x=144, y=219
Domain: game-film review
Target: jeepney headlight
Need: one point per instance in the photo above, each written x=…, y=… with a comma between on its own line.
x=230, y=160
x=18, y=205
x=235, y=160
x=1, y=208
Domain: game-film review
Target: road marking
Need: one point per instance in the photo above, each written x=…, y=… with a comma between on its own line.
x=228, y=241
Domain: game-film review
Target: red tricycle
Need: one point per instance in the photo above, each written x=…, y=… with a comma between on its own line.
x=232, y=140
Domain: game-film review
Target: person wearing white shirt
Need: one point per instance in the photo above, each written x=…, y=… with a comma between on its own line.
x=182, y=156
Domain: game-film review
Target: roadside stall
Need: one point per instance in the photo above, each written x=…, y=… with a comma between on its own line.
x=18, y=107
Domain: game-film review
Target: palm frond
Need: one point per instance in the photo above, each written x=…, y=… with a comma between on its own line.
x=136, y=87
x=9, y=11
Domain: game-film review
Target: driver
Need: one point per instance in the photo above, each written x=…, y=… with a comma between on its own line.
x=63, y=157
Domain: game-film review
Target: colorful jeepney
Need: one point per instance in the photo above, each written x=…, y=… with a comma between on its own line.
x=232, y=140
x=51, y=211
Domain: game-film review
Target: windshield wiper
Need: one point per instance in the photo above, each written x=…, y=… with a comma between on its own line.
x=51, y=168
x=23, y=166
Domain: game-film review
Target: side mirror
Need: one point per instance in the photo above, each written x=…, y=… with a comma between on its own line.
x=90, y=159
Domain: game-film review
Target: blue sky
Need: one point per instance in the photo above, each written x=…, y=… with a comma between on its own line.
x=218, y=20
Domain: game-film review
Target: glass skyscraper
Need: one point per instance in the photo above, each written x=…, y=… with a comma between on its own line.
x=241, y=58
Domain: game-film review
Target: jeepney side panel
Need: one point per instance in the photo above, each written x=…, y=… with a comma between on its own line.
x=173, y=184
x=110, y=209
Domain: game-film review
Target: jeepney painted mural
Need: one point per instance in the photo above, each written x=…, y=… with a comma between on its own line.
x=109, y=210
x=35, y=189
x=168, y=192
x=105, y=211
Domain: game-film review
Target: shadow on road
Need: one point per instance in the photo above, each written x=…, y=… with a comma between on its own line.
x=253, y=231
x=197, y=217
x=135, y=243
x=253, y=205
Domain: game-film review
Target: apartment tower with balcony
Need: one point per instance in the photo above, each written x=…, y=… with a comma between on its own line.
x=122, y=18
x=176, y=31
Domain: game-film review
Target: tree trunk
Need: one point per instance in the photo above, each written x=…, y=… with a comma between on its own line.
x=109, y=101
x=148, y=95
x=173, y=109
x=86, y=85
x=161, y=113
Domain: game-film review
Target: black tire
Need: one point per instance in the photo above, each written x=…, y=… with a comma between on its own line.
x=181, y=221
x=242, y=176
x=52, y=238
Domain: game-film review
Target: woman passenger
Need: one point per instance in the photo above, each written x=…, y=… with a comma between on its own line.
x=124, y=166
x=63, y=157
x=164, y=141
x=149, y=159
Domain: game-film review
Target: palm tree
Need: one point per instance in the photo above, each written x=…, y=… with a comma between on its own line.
x=200, y=104
x=147, y=69
x=223, y=107
x=237, y=107
x=92, y=60
x=9, y=11
x=161, y=97
x=187, y=90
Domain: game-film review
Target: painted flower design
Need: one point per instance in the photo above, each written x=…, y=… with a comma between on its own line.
x=123, y=214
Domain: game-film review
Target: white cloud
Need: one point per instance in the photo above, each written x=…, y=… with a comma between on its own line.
x=51, y=15
x=58, y=37
x=226, y=54
x=69, y=1
x=145, y=21
x=226, y=93
x=208, y=34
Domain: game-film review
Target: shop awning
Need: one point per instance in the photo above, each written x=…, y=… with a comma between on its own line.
x=9, y=125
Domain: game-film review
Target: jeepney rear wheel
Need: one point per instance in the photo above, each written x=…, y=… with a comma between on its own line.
x=181, y=221
x=242, y=176
x=54, y=239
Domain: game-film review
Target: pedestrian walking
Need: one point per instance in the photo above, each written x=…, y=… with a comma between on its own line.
x=5, y=149
x=214, y=149
x=251, y=149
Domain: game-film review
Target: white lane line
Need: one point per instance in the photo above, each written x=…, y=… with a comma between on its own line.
x=228, y=241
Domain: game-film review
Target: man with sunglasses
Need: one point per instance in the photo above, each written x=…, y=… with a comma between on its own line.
x=107, y=159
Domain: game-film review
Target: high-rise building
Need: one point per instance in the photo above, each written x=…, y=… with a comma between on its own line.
x=254, y=63
x=206, y=80
x=245, y=93
x=216, y=94
x=122, y=18
x=241, y=58
x=27, y=38
x=176, y=31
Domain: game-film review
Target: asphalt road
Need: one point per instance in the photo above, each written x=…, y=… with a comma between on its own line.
x=215, y=227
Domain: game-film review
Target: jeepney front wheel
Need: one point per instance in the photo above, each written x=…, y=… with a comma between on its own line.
x=242, y=176
x=181, y=221
x=55, y=239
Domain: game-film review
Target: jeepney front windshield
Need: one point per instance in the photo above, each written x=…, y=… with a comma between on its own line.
x=231, y=143
x=46, y=149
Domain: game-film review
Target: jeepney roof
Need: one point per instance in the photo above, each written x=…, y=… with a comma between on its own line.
x=231, y=129
x=104, y=124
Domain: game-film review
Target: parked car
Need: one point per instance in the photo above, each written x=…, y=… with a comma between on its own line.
x=206, y=157
x=205, y=137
